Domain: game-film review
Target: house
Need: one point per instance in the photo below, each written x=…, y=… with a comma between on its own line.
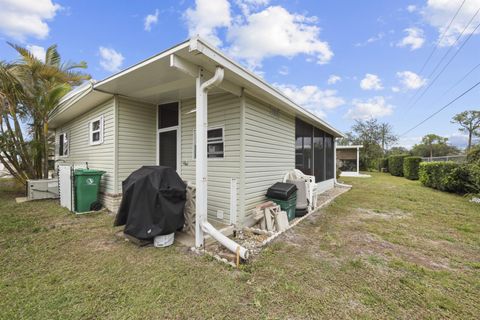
x=194, y=109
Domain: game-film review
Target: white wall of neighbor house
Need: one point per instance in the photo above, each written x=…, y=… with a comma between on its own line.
x=100, y=156
x=223, y=111
x=269, y=144
x=136, y=144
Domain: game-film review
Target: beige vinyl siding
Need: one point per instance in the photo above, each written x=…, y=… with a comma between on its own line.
x=99, y=156
x=269, y=149
x=223, y=111
x=137, y=142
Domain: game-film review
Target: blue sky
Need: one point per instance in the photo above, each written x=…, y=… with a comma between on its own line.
x=343, y=60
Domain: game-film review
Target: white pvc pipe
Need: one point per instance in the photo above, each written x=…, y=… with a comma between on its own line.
x=225, y=241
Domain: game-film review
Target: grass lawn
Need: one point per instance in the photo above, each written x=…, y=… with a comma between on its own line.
x=389, y=248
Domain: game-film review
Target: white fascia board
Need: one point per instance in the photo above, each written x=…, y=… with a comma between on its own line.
x=71, y=100
x=199, y=45
x=145, y=62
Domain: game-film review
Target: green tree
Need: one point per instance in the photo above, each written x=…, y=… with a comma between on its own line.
x=433, y=145
x=469, y=122
x=29, y=90
x=374, y=136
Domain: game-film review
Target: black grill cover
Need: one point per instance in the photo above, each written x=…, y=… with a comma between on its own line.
x=153, y=202
x=281, y=190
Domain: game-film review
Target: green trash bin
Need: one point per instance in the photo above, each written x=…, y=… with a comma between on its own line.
x=287, y=205
x=87, y=187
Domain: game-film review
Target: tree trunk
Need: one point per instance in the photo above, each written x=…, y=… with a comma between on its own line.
x=469, y=140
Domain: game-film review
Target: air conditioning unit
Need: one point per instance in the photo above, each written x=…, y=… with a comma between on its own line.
x=42, y=189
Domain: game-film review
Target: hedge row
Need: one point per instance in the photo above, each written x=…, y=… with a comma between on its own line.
x=411, y=166
x=451, y=176
x=395, y=164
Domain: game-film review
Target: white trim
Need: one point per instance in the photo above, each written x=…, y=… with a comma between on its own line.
x=100, y=130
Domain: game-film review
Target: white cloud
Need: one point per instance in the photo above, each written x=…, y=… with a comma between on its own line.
x=284, y=70
x=411, y=8
x=258, y=32
x=438, y=13
x=151, y=20
x=276, y=32
x=37, y=51
x=410, y=80
x=20, y=19
x=375, y=38
x=111, y=60
x=414, y=39
x=371, y=82
x=313, y=98
x=248, y=5
x=334, y=79
x=375, y=107
x=395, y=89
x=207, y=17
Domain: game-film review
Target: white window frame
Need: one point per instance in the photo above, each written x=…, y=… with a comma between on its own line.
x=67, y=149
x=213, y=142
x=91, y=131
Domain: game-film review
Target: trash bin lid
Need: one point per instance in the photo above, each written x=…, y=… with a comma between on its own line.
x=281, y=190
x=88, y=172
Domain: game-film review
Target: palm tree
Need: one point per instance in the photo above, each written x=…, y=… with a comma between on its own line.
x=29, y=90
x=47, y=82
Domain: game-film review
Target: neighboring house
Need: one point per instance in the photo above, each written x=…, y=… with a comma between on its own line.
x=147, y=115
x=348, y=160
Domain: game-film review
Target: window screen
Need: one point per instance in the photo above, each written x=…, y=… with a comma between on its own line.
x=168, y=115
x=215, y=143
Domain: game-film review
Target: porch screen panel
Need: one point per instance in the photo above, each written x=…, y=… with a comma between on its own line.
x=303, y=147
x=330, y=168
x=318, y=155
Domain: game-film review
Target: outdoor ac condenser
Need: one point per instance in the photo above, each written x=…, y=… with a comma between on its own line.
x=42, y=189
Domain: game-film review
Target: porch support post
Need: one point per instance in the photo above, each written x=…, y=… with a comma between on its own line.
x=358, y=160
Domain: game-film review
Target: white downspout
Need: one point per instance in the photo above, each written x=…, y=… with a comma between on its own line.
x=201, y=224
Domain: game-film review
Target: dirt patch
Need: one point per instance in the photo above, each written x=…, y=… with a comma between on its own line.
x=377, y=214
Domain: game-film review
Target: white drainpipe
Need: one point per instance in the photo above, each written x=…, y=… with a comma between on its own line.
x=201, y=223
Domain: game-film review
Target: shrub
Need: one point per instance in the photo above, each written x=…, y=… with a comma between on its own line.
x=395, y=164
x=473, y=155
x=451, y=176
x=410, y=167
x=383, y=165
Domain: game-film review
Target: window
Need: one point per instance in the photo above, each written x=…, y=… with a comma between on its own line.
x=168, y=115
x=96, y=131
x=215, y=143
x=63, y=145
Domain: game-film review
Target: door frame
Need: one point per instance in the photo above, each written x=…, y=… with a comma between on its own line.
x=178, y=130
